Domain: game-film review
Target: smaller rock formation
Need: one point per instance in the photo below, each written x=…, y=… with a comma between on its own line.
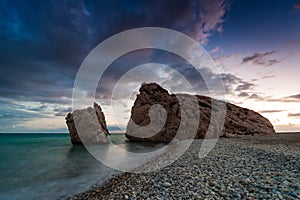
x=87, y=126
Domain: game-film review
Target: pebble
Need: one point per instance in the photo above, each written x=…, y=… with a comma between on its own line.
x=167, y=184
x=234, y=169
x=205, y=192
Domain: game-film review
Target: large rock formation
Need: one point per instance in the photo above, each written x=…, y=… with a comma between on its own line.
x=89, y=123
x=238, y=121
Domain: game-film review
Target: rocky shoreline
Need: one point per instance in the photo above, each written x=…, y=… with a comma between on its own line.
x=252, y=167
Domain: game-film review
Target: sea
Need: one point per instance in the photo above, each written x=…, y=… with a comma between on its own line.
x=48, y=166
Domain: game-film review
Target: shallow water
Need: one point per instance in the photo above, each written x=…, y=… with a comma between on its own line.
x=47, y=166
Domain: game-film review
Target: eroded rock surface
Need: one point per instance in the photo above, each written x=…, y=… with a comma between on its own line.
x=238, y=121
x=89, y=123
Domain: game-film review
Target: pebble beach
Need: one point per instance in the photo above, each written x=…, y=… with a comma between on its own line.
x=252, y=167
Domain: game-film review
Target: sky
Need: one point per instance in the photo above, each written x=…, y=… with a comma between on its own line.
x=255, y=46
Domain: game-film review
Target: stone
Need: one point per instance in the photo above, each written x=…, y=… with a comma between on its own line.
x=87, y=125
x=167, y=184
x=238, y=121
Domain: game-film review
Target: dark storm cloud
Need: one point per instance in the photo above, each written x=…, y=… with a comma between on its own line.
x=196, y=77
x=261, y=59
x=44, y=42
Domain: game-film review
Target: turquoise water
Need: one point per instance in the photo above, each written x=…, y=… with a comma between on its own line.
x=47, y=166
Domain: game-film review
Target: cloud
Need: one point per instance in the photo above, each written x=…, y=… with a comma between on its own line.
x=256, y=97
x=44, y=43
x=238, y=87
x=282, y=100
x=227, y=62
x=215, y=50
x=297, y=5
x=46, y=53
x=270, y=111
x=244, y=86
x=268, y=76
x=257, y=56
x=294, y=42
x=229, y=81
x=62, y=111
x=297, y=96
x=294, y=115
x=243, y=94
x=261, y=59
x=288, y=99
x=15, y=115
x=210, y=19
x=292, y=98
